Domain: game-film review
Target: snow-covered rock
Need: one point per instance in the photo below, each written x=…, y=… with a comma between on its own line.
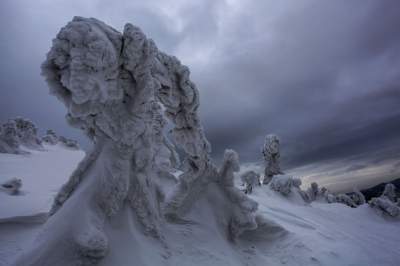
x=250, y=179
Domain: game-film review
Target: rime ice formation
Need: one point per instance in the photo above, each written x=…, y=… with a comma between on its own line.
x=250, y=179
x=12, y=186
x=387, y=203
x=284, y=184
x=117, y=88
x=271, y=153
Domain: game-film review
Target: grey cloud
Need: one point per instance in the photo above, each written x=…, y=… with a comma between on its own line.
x=324, y=75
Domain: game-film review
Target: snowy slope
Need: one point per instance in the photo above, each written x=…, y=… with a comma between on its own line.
x=291, y=232
x=42, y=174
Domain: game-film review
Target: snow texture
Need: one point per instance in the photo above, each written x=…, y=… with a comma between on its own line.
x=271, y=153
x=115, y=87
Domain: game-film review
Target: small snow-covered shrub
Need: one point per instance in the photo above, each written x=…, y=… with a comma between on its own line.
x=284, y=184
x=357, y=197
x=50, y=137
x=27, y=133
x=390, y=192
x=9, y=140
x=12, y=186
x=385, y=206
x=250, y=179
x=387, y=203
x=345, y=199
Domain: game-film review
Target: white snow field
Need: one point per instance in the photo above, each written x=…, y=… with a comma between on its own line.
x=290, y=232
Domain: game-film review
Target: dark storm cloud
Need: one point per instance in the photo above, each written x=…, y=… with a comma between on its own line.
x=324, y=75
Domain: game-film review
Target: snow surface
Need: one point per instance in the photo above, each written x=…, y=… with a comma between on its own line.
x=290, y=232
x=42, y=174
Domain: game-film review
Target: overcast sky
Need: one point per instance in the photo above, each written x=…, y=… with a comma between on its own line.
x=323, y=75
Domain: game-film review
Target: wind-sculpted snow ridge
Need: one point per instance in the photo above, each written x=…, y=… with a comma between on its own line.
x=271, y=153
x=387, y=203
x=116, y=88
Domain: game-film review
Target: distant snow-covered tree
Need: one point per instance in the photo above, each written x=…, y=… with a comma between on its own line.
x=50, y=137
x=271, y=153
x=284, y=184
x=387, y=203
x=250, y=179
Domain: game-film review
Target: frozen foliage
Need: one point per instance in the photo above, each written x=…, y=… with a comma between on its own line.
x=250, y=179
x=387, y=203
x=284, y=184
x=12, y=186
x=116, y=88
x=271, y=155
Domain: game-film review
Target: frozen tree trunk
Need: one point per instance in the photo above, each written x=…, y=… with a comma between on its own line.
x=271, y=153
x=113, y=86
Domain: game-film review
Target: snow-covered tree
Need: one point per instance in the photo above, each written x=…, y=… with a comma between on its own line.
x=387, y=203
x=357, y=197
x=114, y=87
x=250, y=179
x=390, y=192
x=285, y=184
x=27, y=133
x=271, y=153
x=9, y=140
